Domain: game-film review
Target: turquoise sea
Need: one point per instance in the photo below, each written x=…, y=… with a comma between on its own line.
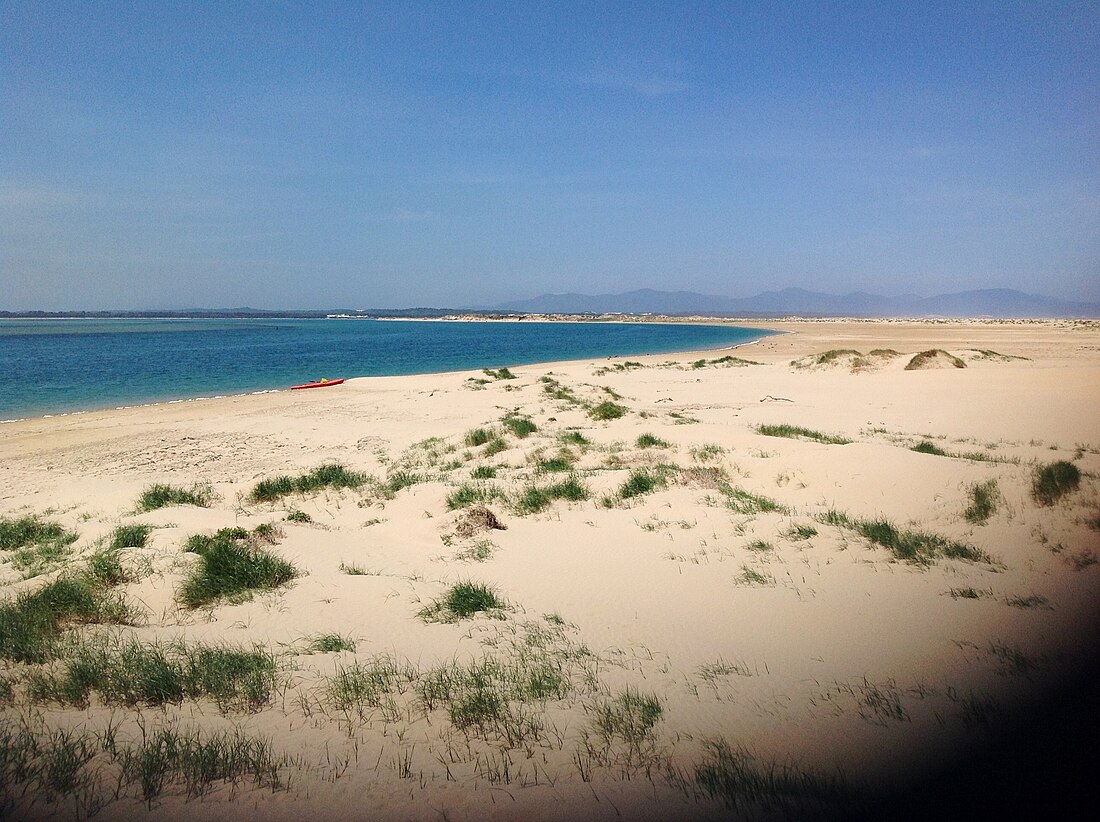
x=60, y=366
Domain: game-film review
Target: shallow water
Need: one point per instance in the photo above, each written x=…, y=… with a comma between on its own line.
x=58, y=366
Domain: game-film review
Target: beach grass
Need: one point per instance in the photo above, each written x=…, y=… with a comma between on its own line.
x=984, y=497
x=798, y=432
x=537, y=498
x=31, y=624
x=926, y=358
x=914, y=547
x=463, y=600
x=32, y=531
x=1053, y=481
x=520, y=425
x=230, y=566
x=331, y=475
x=163, y=495
x=648, y=440
x=131, y=535
x=607, y=410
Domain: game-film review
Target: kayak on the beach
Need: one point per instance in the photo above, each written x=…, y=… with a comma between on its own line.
x=321, y=383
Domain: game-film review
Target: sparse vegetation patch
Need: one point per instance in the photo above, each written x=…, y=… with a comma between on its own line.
x=798, y=432
x=462, y=601
x=1052, y=482
x=162, y=495
x=230, y=565
x=984, y=497
x=331, y=475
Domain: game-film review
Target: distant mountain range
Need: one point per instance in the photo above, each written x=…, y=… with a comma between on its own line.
x=996, y=302
x=1000, y=303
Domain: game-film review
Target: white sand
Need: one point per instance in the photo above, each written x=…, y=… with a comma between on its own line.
x=842, y=659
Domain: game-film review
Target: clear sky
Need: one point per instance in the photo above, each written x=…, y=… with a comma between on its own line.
x=294, y=155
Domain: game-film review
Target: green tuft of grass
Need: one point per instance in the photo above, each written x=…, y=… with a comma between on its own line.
x=798, y=432
x=650, y=441
x=331, y=475
x=1052, y=482
x=630, y=717
x=298, y=516
x=760, y=546
x=124, y=671
x=462, y=601
x=607, y=410
x=574, y=438
x=984, y=497
x=32, y=622
x=331, y=644
x=834, y=354
x=230, y=566
x=745, y=502
x=163, y=495
x=105, y=568
x=642, y=481
x=536, y=498
x=798, y=532
x=478, y=436
x=31, y=531
x=130, y=536
x=520, y=426
x=399, y=480
x=915, y=547
x=929, y=447
x=484, y=472
x=469, y=493
x=562, y=461
x=499, y=373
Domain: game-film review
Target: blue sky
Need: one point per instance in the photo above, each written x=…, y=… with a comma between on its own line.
x=285, y=155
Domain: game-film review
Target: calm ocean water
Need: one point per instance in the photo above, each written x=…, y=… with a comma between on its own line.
x=58, y=366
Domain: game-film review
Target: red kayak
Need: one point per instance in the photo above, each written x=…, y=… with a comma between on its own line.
x=319, y=384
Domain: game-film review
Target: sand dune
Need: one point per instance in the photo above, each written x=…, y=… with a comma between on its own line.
x=682, y=615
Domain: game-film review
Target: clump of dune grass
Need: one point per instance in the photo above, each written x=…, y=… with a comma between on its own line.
x=734, y=777
x=983, y=502
x=230, y=565
x=499, y=373
x=298, y=516
x=125, y=671
x=130, y=536
x=562, y=461
x=1053, y=481
x=478, y=436
x=926, y=358
x=915, y=547
x=38, y=546
x=32, y=530
x=799, y=532
x=746, y=502
x=642, y=481
x=469, y=493
x=607, y=410
x=32, y=622
x=536, y=498
x=331, y=644
x=331, y=475
x=105, y=567
x=728, y=360
x=84, y=771
x=196, y=762
x=400, y=480
x=574, y=438
x=462, y=601
x=798, y=432
x=929, y=447
x=484, y=472
x=648, y=440
x=162, y=495
x=520, y=425
x=630, y=717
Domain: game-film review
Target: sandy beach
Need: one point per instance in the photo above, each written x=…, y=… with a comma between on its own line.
x=699, y=611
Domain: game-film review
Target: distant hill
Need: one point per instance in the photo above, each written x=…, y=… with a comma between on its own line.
x=997, y=302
